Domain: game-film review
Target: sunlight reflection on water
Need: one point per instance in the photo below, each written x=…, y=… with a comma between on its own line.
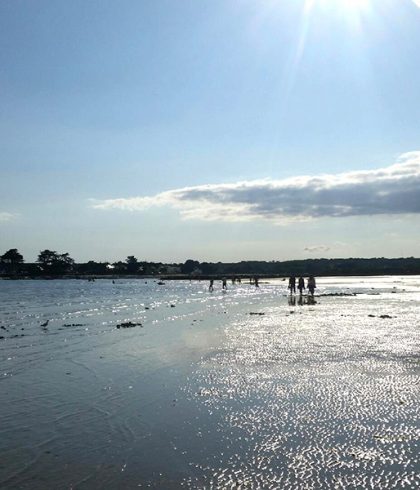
x=248, y=388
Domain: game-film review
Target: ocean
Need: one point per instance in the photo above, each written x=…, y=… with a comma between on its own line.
x=136, y=384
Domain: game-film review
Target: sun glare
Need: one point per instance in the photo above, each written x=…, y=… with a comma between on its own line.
x=354, y=11
x=348, y=5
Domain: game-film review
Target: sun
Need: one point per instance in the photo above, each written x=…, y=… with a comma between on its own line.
x=351, y=11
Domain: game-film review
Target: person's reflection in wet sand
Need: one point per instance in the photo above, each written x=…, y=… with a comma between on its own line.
x=302, y=301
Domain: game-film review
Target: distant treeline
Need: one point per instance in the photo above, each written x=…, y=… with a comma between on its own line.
x=53, y=264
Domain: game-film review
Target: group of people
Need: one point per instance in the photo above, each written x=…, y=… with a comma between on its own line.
x=311, y=284
x=253, y=280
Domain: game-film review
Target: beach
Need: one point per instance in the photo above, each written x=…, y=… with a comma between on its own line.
x=136, y=384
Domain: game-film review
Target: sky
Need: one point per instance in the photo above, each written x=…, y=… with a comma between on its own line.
x=216, y=131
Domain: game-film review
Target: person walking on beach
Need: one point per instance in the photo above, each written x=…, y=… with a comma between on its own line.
x=224, y=283
x=211, y=285
x=311, y=285
x=292, y=284
x=301, y=284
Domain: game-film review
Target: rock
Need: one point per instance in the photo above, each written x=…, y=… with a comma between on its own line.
x=256, y=313
x=128, y=325
x=385, y=316
x=372, y=316
x=338, y=294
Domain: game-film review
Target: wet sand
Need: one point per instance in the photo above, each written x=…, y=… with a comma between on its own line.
x=204, y=394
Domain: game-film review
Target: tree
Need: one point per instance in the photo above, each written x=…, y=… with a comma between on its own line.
x=55, y=263
x=93, y=267
x=12, y=259
x=132, y=264
x=120, y=267
x=46, y=258
x=189, y=266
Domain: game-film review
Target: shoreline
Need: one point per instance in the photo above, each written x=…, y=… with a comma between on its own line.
x=186, y=277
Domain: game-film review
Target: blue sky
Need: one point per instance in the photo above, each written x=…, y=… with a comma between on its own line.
x=110, y=110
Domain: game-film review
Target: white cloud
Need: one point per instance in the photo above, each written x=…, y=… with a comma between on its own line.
x=417, y=2
x=386, y=191
x=4, y=216
x=317, y=248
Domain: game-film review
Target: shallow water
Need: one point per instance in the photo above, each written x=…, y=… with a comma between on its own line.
x=303, y=394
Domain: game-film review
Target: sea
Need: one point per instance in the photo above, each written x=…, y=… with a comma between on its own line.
x=132, y=383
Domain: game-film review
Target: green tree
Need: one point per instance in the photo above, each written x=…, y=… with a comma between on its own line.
x=132, y=264
x=54, y=263
x=12, y=256
x=93, y=267
x=12, y=260
x=189, y=266
x=120, y=267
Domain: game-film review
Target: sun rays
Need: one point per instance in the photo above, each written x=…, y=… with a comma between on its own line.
x=350, y=5
x=344, y=9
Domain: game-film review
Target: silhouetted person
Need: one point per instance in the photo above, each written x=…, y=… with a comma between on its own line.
x=224, y=283
x=256, y=282
x=311, y=285
x=211, y=284
x=301, y=284
x=292, y=284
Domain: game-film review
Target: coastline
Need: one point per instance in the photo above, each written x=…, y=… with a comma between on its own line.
x=188, y=277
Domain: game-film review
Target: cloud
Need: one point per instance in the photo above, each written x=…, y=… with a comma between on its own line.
x=317, y=248
x=417, y=2
x=386, y=191
x=4, y=216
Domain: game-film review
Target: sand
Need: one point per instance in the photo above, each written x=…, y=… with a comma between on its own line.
x=204, y=394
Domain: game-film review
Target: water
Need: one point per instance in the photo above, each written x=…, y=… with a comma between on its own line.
x=204, y=394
